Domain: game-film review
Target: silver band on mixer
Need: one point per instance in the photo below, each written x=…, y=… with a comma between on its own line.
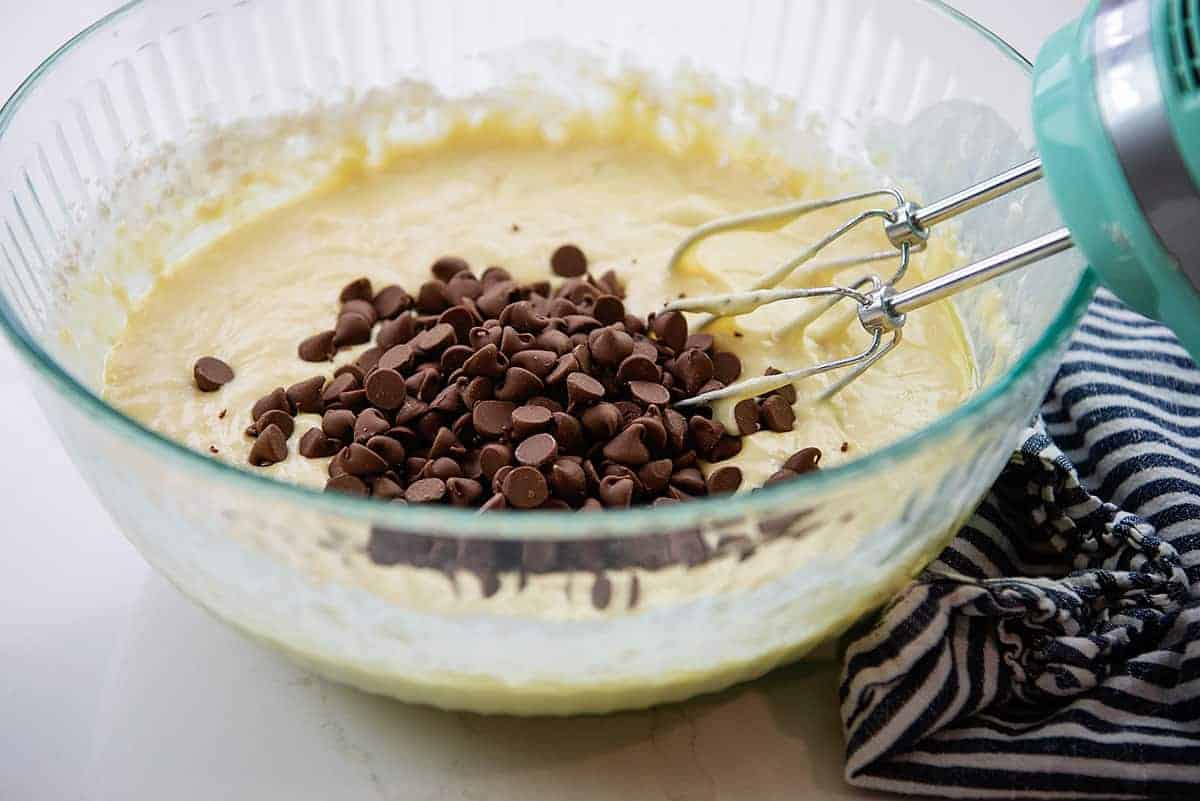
x=1135, y=115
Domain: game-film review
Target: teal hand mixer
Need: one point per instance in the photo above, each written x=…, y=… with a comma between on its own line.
x=1116, y=113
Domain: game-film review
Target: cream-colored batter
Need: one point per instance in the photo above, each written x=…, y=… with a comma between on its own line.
x=499, y=193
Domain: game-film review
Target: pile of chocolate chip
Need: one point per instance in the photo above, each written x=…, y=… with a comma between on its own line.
x=484, y=392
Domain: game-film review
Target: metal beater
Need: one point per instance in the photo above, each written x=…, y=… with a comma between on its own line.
x=1116, y=113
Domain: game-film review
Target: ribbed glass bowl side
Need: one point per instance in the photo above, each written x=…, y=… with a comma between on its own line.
x=699, y=597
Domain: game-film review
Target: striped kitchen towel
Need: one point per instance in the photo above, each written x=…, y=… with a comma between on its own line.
x=1053, y=650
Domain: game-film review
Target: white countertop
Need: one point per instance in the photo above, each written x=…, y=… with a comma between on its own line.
x=113, y=686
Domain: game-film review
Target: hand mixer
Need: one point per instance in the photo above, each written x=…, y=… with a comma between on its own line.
x=1116, y=113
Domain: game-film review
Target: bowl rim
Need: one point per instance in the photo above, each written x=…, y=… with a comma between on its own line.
x=556, y=525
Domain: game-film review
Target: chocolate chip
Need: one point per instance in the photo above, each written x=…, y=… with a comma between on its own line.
x=492, y=418
x=804, y=460
x=358, y=289
x=391, y=301
x=723, y=480
x=583, y=389
x=671, y=328
x=386, y=389
x=425, y=490
x=351, y=329
x=629, y=447
x=487, y=361
x=454, y=357
x=410, y=410
x=270, y=447
x=492, y=457
x=609, y=309
x=656, y=475
x=476, y=390
x=568, y=480
x=398, y=357
x=435, y=339
x=568, y=261
x=686, y=459
x=353, y=399
x=637, y=367
x=460, y=319
x=494, y=503
x=702, y=342
x=211, y=373
x=646, y=349
x=315, y=444
x=553, y=340
x=463, y=289
x=566, y=365
x=726, y=448
x=348, y=484
x=386, y=489
x=359, y=460
x=317, y=348
x=777, y=413
x=690, y=480
x=390, y=450
x=368, y=423
x=782, y=474
x=616, y=492
x=363, y=308
x=431, y=298
x=442, y=467
x=463, y=491
x=275, y=399
x=705, y=433
x=334, y=389
x=494, y=275
x=429, y=424
x=693, y=368
x=677, y=428
x=727, y=367
x=449, y=400
x=787, y=392
x=537, y=451
x=580, y=323
x=610, y=346
x=447, y=267
x=352, y=369
x=537, y=362
x=745, y=414
x=496, y=297
x=446, y=443
x=649, y=393
x=275, y=417
x=656, y=432
x=338, y=424
x=528, y=420
x=519, y=384
x=511, y=342
x=602, y=421
x=396, y=332
x=471, y=467
x=522, y=317
x=525, y=487
x=368, y=360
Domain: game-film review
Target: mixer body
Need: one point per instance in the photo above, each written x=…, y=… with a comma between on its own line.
x=1116, y=109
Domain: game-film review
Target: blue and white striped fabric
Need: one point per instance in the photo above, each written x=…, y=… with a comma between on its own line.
x=1053, y=650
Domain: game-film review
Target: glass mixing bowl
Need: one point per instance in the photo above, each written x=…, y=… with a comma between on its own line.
x=521, y=613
